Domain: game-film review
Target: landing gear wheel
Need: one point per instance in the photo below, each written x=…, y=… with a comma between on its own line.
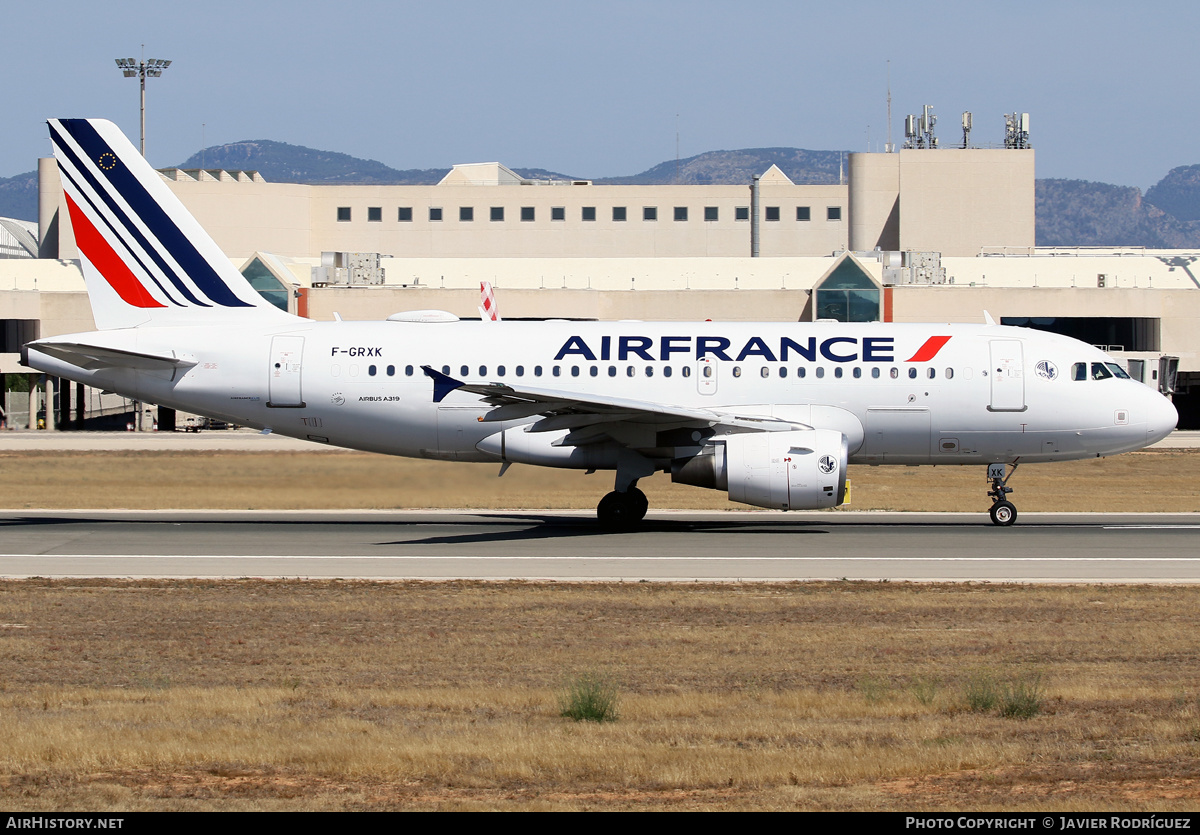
x=622, y=511
x=1003, y=513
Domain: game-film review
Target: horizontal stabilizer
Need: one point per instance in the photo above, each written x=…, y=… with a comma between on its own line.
x=93, y=357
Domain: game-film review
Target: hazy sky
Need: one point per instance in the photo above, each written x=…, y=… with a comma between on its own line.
x=599, y=89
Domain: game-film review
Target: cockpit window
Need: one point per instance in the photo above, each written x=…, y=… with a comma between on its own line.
x=1079, y=371
x=1117, y=370
x=1099, y=372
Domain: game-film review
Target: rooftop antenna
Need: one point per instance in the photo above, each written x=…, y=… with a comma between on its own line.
x=966, y=126
x=676, y=149
x=889, y=147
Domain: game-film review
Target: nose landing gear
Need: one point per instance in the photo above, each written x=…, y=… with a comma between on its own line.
x=1003, y=512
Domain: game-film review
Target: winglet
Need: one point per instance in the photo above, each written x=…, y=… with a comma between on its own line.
x=987, y=318
x=442, y=383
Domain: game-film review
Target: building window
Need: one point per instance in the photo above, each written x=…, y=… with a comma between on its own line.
x=711, y=213
x=466, y=213
x=375, y=214
x=833, y=213
x=404, y=214
x=680, y=213
x=741, y=213
x=527, y=213
x=803, y=213
x=772, y=213
x=343, y=214
x=589, y=213
x=497, y=213
x=435, y=215
x=650, y=213
x=619, y=213
x=558, y=213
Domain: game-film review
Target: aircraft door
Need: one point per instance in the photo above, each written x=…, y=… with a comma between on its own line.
x=1008, y=377
x=283, y=389
x=706, y=375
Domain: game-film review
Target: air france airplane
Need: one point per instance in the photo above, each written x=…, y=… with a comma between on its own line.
x=771, y=413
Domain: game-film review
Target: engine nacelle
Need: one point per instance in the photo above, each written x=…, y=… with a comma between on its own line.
x=800, y=470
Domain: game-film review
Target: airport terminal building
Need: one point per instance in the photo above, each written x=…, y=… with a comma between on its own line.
x=919, y=234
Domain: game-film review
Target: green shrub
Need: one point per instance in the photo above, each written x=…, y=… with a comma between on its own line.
x=589, y=698
x=1022, y=698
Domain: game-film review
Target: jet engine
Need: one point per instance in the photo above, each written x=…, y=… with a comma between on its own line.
x=797, y=470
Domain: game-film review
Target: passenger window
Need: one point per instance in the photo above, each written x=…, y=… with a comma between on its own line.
x=629, y=372
x=737, y=371
x=931, y=372
x=464, y=371
x=666, y=371
x=574, y=370
x=537, y=371
x=520, y=371
x=875, y=373
x=857, y=373
x=912, y=373
x=820, y=371
x=391, y=371
x=335, y=370
x=800, y=372
x=895, y=372
x=445, y=370
x=687, y=371
x=783, y=371
x=837, y=371
x=1079, y=371
x=764, y=372
x=708, y=371
x=594, y=370
x=483, y=371
x=649, y=370
x=557, y=371
x=500, y=370
x=408, y=371
x=371, y=370
x=949, y=373
x=612, y=371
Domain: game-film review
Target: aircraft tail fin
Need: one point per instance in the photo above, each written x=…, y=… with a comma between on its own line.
x=145, y=259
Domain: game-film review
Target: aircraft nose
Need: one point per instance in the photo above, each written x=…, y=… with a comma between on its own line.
x=1161, y=418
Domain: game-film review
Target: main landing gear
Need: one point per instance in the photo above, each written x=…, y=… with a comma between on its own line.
x=625, y=506
x=1003, y=512
x=622, y=511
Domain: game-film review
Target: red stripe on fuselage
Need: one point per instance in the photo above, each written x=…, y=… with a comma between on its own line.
x=92, y=244
x=929, y=350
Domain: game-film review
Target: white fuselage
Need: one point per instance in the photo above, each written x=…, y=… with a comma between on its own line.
x=904, y=394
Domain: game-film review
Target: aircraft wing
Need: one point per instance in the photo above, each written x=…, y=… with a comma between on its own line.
x=94, y=357
x=593, y=416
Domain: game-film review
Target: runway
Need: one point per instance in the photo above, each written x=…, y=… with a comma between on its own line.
x=680, y=546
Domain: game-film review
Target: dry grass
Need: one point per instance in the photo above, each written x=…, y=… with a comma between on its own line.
x=355, y=695
x=1144, y=481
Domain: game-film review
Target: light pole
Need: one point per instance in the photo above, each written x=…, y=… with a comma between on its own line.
x=143, y=69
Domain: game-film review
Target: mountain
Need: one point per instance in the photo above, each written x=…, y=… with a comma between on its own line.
x=1178, y=193
x=19, y=196
x=280, y=162
x=739, y=167
x=1082, y=213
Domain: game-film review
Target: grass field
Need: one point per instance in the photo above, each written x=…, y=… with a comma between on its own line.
x=1142, y=481
x=354, y=695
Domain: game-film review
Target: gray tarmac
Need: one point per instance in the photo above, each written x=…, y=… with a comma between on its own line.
x=678, y=546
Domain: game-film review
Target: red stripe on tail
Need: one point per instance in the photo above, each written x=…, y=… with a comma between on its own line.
x=92, y=244
x=929, y=350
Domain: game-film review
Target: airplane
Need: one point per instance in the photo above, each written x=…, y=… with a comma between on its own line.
x=771, y=413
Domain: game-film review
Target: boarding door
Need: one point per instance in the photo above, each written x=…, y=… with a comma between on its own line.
x=706, y=375
x=1008, y=378
x=284, y=386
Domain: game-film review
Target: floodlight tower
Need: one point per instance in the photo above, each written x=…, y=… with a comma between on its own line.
x=143, y=69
